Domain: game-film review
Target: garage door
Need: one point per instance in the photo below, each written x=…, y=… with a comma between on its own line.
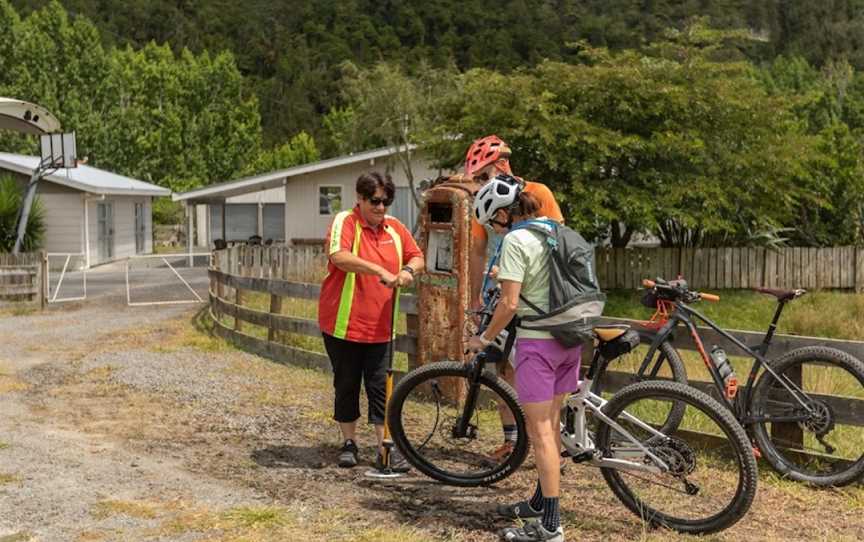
x=274, y=221
x=241, y=221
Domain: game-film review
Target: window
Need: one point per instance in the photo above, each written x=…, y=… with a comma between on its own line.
x=329, y=200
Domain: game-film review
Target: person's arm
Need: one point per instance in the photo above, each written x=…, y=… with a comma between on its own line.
x=348, y=262
x=504, y=313
x=476, y=262
x=412, y=257
x=340, y=243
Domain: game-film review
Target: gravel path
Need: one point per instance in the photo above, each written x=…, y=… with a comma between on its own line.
x=128, y=424
x=57, y=474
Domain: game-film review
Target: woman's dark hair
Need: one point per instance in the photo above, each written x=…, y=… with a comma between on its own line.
x=527, y=205
x=368, y=183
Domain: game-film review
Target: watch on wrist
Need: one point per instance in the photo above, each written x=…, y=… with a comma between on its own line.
x=409, y=269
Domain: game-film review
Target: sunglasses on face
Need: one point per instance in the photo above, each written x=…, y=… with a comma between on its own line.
x=375, y=202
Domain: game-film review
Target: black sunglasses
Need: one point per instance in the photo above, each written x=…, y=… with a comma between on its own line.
x=387, y=202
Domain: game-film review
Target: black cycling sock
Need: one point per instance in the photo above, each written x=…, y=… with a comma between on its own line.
x=510, y=432
x=536, y=501
x=551, y=519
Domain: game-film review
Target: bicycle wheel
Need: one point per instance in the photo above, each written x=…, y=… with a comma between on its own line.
x=422, y=422
x=823, y=443
x=665, y=365
x=709, y=479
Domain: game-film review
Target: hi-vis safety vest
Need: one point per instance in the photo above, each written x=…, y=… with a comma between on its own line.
x=346, y=299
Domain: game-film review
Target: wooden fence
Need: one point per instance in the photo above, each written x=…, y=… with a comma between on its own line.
x=739, y=267
x=226, y=300
x=714, y=268
x=23, y=278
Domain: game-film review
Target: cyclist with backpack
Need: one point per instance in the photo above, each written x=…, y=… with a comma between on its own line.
x=487, y=157
x=548, y=283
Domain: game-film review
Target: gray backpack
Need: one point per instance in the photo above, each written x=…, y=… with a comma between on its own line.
x=575, y=300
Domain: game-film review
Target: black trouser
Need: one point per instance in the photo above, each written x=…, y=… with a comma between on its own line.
x=353, y=362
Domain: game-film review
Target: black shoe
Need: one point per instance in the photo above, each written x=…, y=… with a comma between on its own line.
x=348, y=455
x=397, y=462
x=519, y=510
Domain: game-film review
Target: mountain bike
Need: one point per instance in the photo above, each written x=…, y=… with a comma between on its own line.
x=795, y=407
x=701, y=478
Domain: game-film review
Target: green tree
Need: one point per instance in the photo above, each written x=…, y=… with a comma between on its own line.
x=688, y=148
x=392, y=108
x=10, y=205
x=300, y=149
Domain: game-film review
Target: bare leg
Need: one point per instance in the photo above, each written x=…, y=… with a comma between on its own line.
x=509, y=376
x=542, y=428
x=349, y=430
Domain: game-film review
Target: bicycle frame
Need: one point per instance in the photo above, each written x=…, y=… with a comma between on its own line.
x=687, y=315
x=577, y=441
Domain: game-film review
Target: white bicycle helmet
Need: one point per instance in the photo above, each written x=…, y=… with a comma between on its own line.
x=499, y=193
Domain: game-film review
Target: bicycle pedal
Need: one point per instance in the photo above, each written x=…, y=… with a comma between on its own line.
x=582, y=457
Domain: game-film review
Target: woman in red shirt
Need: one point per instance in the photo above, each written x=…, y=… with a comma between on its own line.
x=371, y=255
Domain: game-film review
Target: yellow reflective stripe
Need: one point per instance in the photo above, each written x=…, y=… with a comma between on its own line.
x=347, y=298
x=398, y=242
x=336, y=232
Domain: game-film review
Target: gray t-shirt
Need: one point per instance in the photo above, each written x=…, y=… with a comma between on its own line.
x=525, y=259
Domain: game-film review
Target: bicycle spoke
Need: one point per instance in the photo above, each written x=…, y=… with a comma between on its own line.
x=695, y=482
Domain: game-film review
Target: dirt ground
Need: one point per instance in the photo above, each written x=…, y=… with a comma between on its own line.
x=121, y=423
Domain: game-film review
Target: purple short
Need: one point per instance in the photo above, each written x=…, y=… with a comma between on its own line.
x=544, y=369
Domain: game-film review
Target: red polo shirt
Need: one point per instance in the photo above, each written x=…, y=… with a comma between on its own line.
x=356, y=306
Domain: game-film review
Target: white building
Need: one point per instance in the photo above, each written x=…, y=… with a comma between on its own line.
x=100, y=215
x=296, y=204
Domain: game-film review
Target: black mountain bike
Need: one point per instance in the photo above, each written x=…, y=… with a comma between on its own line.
x=699, y=478
x=797, y=409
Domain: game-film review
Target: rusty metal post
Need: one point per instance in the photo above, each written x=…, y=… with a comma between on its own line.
x=444, y=289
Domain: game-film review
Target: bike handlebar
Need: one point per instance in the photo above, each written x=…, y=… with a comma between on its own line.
x=648, y=283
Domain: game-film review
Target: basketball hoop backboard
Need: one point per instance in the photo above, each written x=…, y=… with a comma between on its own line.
x=59, y=151
x=26, y=117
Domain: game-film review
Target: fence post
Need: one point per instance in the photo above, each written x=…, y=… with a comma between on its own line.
x=859, y=269
x=43, y=279
x=275, y=308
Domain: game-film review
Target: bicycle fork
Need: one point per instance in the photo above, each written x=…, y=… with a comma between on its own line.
x=464, y=428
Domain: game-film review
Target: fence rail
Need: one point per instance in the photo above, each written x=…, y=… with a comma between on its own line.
x=23, y=278
x=852, y=410
x=720, y=268
x=737, y=267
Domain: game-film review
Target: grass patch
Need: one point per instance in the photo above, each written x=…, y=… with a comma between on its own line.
x=17, y=537
x=246, y=523
x=4, y=445
x=109, y=508
x=6, y=478
x=395, y=534
x=23, y=309
x=195, y=334
x=831, y=314
x=9, y=383
x=264, y=517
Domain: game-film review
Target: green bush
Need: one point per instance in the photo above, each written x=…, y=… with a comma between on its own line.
x=10, y=203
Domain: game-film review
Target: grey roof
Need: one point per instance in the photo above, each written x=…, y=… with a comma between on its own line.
x=275, y=179
x=84, y=178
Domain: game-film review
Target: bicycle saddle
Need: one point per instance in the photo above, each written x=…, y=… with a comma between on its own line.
x=616, y=340
x=610, y=332
x=782, y=295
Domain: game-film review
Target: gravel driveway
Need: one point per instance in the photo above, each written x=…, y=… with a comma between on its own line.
x=133, y=423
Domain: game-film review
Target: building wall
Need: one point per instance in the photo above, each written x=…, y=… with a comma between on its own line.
x=301, y=198
x=124, y=226
x=63, y=213
x=64, y=220
x=305, y=221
